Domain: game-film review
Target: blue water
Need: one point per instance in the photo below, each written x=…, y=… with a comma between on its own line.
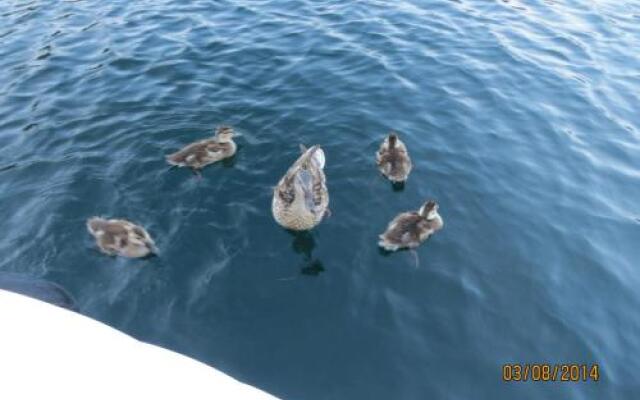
x=522, y=121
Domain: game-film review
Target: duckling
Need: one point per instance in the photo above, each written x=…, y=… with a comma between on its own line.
x=301, y=198
x=121, y=237
x=393, y=159
x=199, y=154
x=409, y=229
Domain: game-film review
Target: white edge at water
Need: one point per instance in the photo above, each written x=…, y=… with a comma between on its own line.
x=47, y=352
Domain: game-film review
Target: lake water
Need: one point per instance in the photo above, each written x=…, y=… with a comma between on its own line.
x=522, y=121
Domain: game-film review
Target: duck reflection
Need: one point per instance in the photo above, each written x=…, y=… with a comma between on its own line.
x=229, y=162
x=314, y=268
x=304, y=243
x=397, y=186
x=37, y=288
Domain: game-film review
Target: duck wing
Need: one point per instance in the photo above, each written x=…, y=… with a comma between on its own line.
x=285, y=190
x=304, y=173
x=215, y=147
x=313, y=156
x=318, y=192
x=116, y=228
x=313, y=187
x=404, y=229
x=184, y=155
x=137, y=233
x=309, y=174
x=394, y=161
x=194, y=153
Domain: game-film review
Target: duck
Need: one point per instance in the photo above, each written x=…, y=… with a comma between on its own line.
x=119, y=237
x=393, y=159
x=409, y=229
x=199, y=154
x=301, y=199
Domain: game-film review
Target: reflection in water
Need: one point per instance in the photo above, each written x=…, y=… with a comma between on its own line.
x=8, y=167
x=229, y=162
x=384, y=252
x=415, y=258
x=314, y=268
x=38, y=289
x=397, y=186
x=304, y=243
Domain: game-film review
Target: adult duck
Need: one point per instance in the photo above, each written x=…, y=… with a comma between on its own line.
x=301, y=198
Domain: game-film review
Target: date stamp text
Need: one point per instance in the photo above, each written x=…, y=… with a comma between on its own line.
x=517, y=372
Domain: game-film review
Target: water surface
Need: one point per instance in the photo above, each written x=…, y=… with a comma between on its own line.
x=522, y=121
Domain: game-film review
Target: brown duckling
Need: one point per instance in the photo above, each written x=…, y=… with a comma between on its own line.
x=409, y=229
x=393, y=159
x=118, y=237
x=199, y=154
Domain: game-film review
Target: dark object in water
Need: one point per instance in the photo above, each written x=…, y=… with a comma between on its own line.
x=39, y=289
x=313, y=269
x=397, y=186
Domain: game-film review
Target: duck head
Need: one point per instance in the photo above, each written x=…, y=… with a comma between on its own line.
x=224, y=133
x=96, y=225
x=393, y=139
x=429, y=210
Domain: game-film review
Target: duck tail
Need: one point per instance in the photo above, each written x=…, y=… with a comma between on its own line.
x=152, y=247
x=385, y=244
x=319, y=158
x=398, y=179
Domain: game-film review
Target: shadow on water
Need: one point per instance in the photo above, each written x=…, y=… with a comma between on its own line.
x=397, y=186
x=229, y=162
x=304, y=243
x=314, y=268
x=414, y=258
x=8, y=167
x=37, y=288
x=384, y=252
